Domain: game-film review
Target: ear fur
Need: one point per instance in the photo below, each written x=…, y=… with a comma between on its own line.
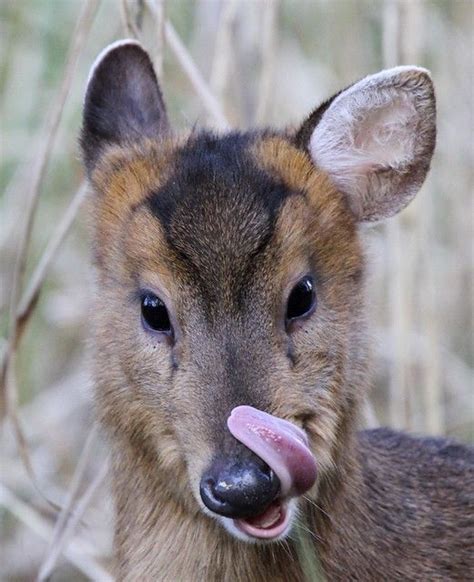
x=375, y=139
x=123, y=101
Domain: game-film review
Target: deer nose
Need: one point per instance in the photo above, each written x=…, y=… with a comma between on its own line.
x=239, y=489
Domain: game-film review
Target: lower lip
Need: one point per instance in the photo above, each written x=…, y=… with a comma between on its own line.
x=266, y=533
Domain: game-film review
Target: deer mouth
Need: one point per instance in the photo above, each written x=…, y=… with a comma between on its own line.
x=272, y=524
x=285, y=449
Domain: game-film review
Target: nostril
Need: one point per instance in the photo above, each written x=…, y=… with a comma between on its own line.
x=208, y=486
x=216, y=490
x=273, y=483
x=211, y=498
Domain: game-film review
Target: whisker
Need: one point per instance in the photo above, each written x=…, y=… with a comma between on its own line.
x=306, y=498
x=307, y=530
x=286, y=548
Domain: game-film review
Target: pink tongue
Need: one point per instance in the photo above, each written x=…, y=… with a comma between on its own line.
x=281, y=444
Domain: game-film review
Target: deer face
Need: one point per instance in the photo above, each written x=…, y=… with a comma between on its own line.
x=229, y=315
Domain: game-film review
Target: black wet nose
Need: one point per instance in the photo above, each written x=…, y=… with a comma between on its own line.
x=239, y=489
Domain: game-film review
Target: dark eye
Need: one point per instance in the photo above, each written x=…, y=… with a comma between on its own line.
x=302, y=299
x=154, y=314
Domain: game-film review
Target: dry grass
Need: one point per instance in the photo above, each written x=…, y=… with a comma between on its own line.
x=228, y=64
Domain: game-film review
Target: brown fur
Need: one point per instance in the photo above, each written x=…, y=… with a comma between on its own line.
x=161, y=532
x=179, y=218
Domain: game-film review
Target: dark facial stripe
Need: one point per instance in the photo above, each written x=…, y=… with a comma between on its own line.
x=218, y=209
x=222, y=165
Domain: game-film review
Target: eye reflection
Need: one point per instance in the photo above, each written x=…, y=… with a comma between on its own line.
x=302, y=299
x=155, y=316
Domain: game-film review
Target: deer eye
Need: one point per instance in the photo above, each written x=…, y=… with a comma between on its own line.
x=154, y=314
x=302, y=299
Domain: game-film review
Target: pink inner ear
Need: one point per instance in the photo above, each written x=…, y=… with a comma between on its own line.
x=377, y=137
x=281, y=444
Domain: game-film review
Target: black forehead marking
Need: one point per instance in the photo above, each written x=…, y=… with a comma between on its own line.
x=218, y=165
x=218, y=208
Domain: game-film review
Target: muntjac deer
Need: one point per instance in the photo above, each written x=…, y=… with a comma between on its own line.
x=231, y=349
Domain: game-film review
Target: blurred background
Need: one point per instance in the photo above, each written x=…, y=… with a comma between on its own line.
x=222, y=63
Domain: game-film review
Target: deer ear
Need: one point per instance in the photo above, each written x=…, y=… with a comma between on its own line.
x=123, y=101
x=375, y=140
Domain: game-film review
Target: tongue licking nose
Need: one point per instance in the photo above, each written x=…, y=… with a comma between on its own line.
x=281, y=444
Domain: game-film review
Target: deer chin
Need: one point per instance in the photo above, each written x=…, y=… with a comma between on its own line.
x=272, y=525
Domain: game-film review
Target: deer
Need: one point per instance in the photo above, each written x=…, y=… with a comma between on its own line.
x=231, y=346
